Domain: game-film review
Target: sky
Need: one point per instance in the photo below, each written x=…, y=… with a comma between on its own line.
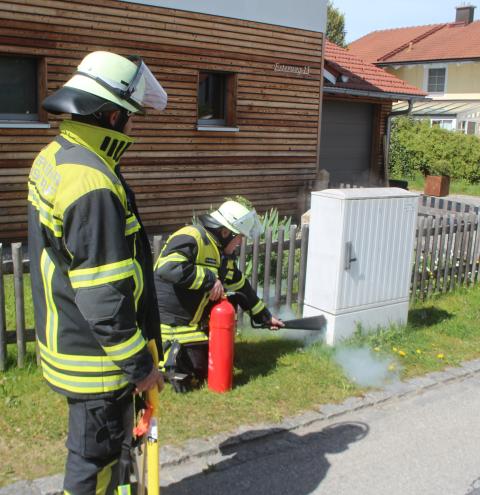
x=364, y=17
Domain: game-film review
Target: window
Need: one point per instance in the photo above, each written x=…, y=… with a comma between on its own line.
x=216, y=101
x=436, y=80
x=21, y=83
x=444, y=124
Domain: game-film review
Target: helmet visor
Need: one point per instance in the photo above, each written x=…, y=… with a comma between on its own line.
x=249, y=225
x=146, y=91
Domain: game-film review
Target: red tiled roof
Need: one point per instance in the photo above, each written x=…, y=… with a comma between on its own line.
x=362, y=75
x=452, y=41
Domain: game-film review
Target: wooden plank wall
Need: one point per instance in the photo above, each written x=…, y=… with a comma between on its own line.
x=175, y=169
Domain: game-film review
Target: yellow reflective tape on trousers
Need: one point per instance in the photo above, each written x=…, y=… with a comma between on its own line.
x=126, y=349
x=84, y=384
x=199, y=277
x=171, y=257
x=132, y=225
x=104, y=477
x=88, y=277
x=45, y=212
x=96, y=364
x=258, y=307
x=51, y=323
x=236, y=285
x=183, y=334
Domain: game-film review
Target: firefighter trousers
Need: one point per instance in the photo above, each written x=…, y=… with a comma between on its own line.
x=98, y=442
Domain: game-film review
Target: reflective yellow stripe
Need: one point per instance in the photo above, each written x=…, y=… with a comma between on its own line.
x=132, y=225
x=51, y=323
x=104, y=477
x=183, y=334
x=45, y=212
x=236, y=285
x=126, y=349
x=84, y=384
x=138, y=278
x=199, y=277
x=258, y=307
x=88, y=277
x=171, y=257
x=98, y=364
x=200, y=309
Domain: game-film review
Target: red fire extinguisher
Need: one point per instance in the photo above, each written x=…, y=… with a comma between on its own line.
x=220, y=347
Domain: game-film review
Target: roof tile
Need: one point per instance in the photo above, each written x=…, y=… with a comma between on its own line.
x=364, y=76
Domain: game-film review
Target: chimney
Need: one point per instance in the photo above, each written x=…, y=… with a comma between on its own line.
x=465, y=13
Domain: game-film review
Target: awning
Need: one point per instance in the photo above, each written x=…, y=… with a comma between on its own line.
x=461, y=110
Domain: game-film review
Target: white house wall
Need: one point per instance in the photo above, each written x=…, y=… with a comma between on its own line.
x=301, y=14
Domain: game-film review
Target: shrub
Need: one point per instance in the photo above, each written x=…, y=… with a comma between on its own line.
x=416, y=147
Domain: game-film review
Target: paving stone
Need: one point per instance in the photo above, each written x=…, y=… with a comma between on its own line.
x=170, y=455
x=199, y=447
x=400, y=389
x=305, y=419
x=51, y=485
x=421, y=382
x=441, y=376
x=458, y=372
x=379, y=396
x=21, y=487
x=472, y=365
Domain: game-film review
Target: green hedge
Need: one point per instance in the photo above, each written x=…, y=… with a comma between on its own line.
x=416, y=147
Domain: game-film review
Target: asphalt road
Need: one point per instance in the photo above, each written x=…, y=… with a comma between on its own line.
x=422, y=444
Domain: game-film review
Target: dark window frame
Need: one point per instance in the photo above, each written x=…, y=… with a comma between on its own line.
x=40, y=116
x=228, y=100
x=435, y=80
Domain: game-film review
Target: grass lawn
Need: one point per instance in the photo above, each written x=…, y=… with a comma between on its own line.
x=456, y=186
x=274, y=378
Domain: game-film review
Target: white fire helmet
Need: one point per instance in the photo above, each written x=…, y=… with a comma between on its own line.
x=103, y=78
x=238, y=218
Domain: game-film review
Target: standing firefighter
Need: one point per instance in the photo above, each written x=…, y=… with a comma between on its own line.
x=91, y=267
x=195, y=265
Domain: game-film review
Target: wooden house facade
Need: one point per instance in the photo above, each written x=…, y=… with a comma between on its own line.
x=244, y=99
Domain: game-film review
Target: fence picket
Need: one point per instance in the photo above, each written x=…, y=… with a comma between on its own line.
x=475, y=250
x=418, y=252
x=468, y=256
x=426, y=256
x=461, y=252
x=267, y=265
x=434, y=257
x=255, y=262
x=448, y=252
x=279, y=270
x=291, y=264
x=454, y=270
x=3, y=322
x=441, y=250
x=303, y=265
x=19, y=302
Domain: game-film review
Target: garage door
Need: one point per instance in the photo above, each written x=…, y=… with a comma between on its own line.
x=345, y=147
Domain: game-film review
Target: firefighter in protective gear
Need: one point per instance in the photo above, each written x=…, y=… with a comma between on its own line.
x=91, y=267
x=194, y=267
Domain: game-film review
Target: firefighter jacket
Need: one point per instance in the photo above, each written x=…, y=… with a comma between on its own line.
x=91, y=266
x=185, y=272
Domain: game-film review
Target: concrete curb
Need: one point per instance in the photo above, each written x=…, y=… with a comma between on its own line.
x=200, y=448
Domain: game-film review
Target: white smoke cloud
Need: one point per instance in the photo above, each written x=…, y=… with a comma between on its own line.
x=366, y=368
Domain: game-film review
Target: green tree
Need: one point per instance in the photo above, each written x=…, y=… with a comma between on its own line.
x=335, y=25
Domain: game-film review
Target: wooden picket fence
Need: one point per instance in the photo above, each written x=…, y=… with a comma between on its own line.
x=446, y=255
x=288, y=276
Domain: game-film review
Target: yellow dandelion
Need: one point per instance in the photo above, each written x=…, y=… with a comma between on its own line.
x=418, y=351
x=402, y=353
x=440, y=356
x=376, y=349
x=394, y=349
x=391, y=367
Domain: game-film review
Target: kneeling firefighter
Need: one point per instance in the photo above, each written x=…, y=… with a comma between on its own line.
x=195, y=266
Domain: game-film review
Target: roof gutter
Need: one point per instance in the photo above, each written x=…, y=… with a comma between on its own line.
x=372, y=94
x=386, y=151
